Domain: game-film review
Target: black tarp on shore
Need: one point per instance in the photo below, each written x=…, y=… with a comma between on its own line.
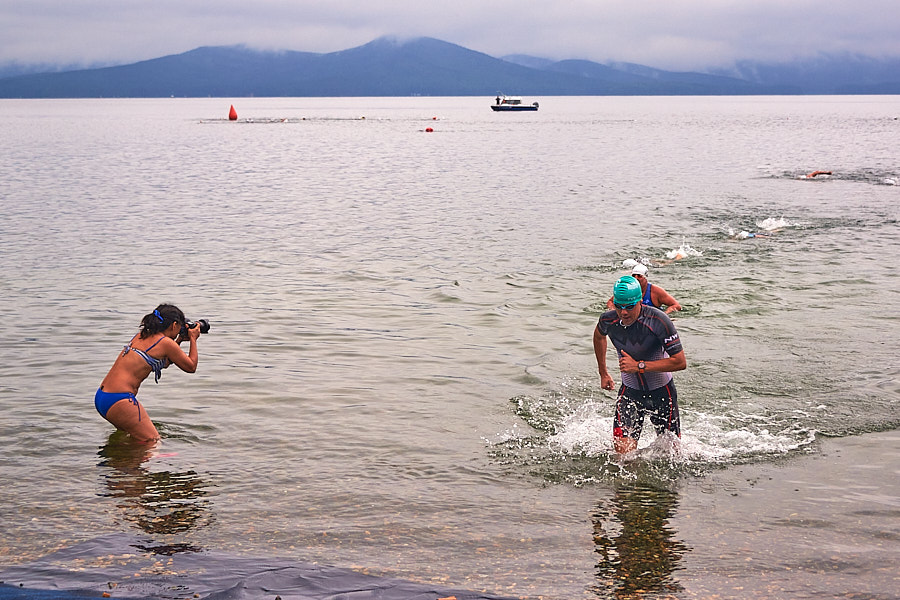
x=124, y=567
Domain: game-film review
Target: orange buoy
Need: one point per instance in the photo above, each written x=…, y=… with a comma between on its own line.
x=232, y=114
x=429, y=129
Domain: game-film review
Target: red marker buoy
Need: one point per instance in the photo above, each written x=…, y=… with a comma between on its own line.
x=429, y=129
x=232, y=114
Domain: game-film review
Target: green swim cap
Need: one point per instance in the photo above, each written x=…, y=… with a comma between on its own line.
x=627, y=291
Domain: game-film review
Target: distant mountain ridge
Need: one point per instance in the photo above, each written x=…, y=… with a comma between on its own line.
x=429, y=67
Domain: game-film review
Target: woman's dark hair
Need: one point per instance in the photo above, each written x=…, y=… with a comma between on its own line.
x=161, y=319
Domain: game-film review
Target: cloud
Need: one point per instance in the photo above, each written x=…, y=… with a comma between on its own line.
x=688, y=34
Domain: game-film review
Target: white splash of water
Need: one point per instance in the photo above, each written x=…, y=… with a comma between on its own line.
x=765, y=227
x=772, y=223
x=705, y=438
x=683, y=251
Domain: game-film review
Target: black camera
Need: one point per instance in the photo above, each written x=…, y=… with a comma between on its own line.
x=203, y=324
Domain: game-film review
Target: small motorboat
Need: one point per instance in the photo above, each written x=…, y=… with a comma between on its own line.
x=511, y=103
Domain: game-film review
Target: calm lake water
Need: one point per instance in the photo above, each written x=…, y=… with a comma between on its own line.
x=399, y=376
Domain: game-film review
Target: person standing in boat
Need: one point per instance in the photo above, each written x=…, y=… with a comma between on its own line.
x=151, y=350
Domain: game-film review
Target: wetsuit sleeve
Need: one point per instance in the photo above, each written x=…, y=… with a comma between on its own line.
x=669, y=335
x=606, y=319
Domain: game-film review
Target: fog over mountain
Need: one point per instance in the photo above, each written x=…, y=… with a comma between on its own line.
x=431, y=67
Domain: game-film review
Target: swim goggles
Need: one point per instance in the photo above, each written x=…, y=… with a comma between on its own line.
x=625, y=306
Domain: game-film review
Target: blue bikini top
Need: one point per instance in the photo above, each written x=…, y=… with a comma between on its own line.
x=648, y=297
x=156, y=364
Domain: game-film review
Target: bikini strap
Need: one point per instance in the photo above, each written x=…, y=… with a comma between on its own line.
x=128, y=347
x=133, y=399
x=154, y=343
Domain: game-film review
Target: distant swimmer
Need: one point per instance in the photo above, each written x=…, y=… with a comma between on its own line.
x=746, y=235
x=649, y=351
x=652, y=295
x=815, y=174
x=680, y=253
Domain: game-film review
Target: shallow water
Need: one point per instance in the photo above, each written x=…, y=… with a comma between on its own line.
x=399, y=375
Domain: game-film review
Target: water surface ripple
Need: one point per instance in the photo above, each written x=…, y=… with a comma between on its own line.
x=399, y=375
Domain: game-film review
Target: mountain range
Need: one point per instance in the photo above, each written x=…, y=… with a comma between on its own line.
x=429, y=67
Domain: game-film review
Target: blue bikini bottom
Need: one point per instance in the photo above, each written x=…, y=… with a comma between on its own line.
x=103, y=401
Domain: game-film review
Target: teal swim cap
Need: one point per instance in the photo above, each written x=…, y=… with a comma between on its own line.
x=627, y=291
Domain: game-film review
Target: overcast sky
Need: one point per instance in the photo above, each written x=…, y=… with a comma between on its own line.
x=668, y=34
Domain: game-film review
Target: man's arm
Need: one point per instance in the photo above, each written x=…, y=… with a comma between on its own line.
x=664, y=298
x=627, y=364
x=600, y=347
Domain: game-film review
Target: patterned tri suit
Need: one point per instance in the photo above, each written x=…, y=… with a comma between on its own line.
x=651, y=337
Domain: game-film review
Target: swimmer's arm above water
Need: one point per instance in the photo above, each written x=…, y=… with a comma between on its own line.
x=664, y=298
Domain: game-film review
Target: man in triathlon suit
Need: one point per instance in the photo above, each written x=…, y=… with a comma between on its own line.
x=652, y=295
x=649, y=351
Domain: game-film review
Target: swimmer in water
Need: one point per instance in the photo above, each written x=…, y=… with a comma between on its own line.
x=680, y=253
x=815, y=174
x=746, y=235
x=653, y=295
x=152, y=349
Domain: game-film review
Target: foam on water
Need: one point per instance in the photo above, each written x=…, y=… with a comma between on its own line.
x=705, y=438
x=773, y=223
x=767, y=225
x=683, y=251
x=570, y=439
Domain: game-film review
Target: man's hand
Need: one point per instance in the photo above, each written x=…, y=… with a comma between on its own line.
x=627, y=364
x=606, y=382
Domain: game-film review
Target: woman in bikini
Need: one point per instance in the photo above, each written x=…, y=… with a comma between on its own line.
x=151, y=350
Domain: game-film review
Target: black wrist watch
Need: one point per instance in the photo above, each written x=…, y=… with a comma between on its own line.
x=641, y=367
